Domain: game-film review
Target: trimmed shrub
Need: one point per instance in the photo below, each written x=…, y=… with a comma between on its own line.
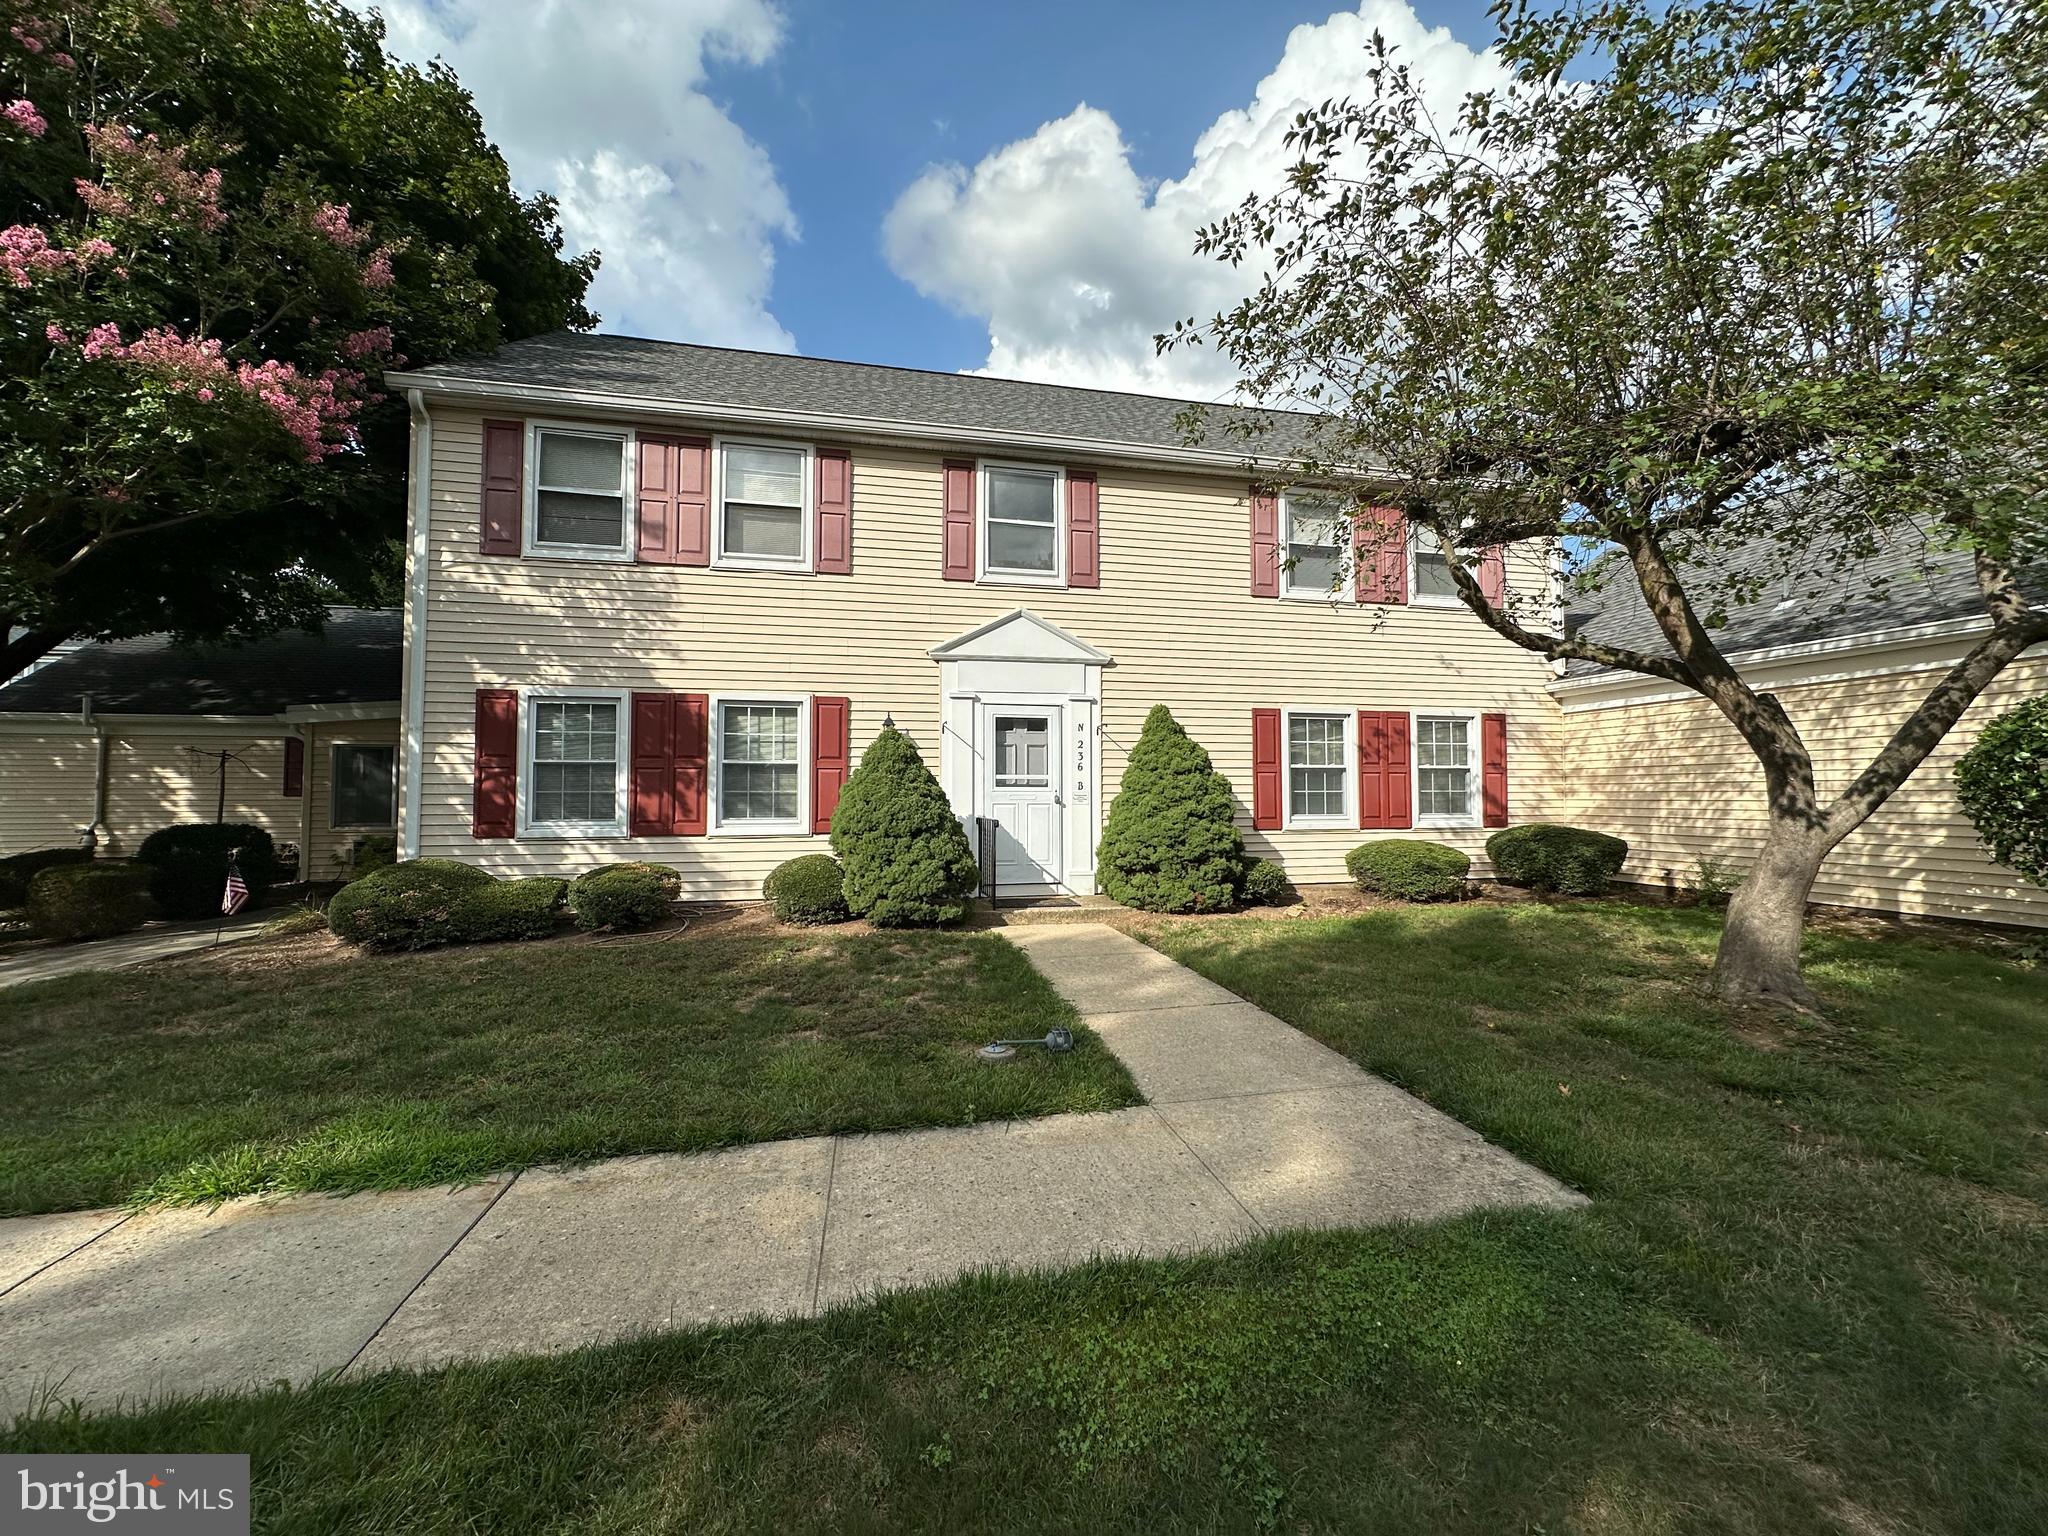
x=624, y=897
x=407, y=906
x=905, y=858
x=810, y=889
x=377, y=851
x=89, y=901
x=1408, y=870
x=16, y=872
x=1545, y=856
x=507, y=909
x=189, y=864
x=1171, y=843
x=2002, y=783
x=1266, y=885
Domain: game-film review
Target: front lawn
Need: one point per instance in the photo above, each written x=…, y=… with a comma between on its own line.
x=1807, y=1298
x=300, y=1066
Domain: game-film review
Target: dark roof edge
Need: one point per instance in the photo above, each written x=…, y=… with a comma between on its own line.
x=1851, y=643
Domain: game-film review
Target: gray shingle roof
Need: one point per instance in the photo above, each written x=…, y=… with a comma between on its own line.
x=1906, y=582
x=682, y=373
x=356, y=659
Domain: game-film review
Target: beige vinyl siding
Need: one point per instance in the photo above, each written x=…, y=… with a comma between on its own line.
x=322, y=863
x=1174, y=609
x=158, y=778
x=45, y=788
x=1678, y=783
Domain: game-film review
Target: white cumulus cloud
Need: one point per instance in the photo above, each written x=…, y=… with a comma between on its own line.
x=605, y=107
x=1075, y=262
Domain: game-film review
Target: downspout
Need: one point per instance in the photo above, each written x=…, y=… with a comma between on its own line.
x=89, y=834
x=306, y=734
x=419, y=518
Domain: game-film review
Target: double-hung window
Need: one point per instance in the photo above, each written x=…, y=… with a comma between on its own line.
x=579, y=492
x=759, y=751
x=763, y=505
x=1432, y=581
x=1318, y=769
x=1444, y=771
x=573, y=770
x=1020, y=536
x=1314, y=539
x=364, y=777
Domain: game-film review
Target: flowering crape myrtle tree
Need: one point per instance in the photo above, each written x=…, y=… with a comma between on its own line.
x=1767, y=274
x=220, y=221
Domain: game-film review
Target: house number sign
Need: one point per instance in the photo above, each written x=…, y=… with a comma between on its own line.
x=1080, y=760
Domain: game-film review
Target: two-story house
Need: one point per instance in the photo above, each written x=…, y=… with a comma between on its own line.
x=661, y=596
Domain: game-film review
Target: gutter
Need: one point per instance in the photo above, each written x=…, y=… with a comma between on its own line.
x=419, y=509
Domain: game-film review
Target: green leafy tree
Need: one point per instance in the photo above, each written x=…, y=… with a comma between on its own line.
x=906, y=860
x=2002, y=782
x=220, y=221
x=1171, y=843
x=1705, y=275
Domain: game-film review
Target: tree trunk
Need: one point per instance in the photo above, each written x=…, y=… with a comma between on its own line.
x=1758, y=961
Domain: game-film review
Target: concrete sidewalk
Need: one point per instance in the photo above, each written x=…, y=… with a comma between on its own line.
x=1251, y=1127
x=157, y=941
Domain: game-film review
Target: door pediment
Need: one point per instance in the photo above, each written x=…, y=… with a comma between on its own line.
x=1021, y=635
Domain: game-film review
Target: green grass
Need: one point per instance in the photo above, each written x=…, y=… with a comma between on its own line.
x=1807, y=1298
x=195, y=1083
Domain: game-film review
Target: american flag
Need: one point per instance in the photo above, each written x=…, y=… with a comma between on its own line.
x=236, y=896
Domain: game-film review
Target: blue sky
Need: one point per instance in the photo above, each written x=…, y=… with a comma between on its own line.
x=914, y=183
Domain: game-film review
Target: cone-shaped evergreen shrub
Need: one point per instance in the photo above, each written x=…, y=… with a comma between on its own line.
x=1170, y=844
x=906, y=859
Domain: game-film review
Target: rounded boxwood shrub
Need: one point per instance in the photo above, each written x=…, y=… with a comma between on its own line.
x=905, y=857
x=1408, y=870
x=18, y=870
x=2002, y=782
x=405, y=906
x=189, y=864
x=624, y=897
x=1545, y=856
x=1171, y=842
x=507, y=909
x=809, y=889
x=1266, y=884
x=89, y=901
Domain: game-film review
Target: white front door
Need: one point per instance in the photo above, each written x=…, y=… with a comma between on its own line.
x=1022, y=794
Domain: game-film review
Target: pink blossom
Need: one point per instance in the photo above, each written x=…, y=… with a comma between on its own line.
x=139, y=170
x=23, y=115
x=56, y=335
x=27, y=39
x=377, y=270
x=206, y=395
x=64, y=61
x=332, y=220
x=26, y=253
x=103, y=341
x=371, y=343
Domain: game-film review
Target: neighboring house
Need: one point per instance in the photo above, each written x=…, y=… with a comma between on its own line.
x=1849, y=658
x=296, y=733
x=662, y=596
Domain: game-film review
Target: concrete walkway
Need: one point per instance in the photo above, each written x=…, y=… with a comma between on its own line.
x=1251, y=1127
x=158, y=941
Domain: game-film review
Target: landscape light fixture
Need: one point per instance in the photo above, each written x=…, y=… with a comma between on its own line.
x=1058, y=1038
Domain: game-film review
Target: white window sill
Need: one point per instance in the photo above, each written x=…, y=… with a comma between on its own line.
x=763, y=829
x=1447, y=823
x=750, y=563
x=1329, y=597
x=558, y=831
x=1436, y=602
x=1017, y=579
x=598, y=552
x=1320, y=824
x=362, y=826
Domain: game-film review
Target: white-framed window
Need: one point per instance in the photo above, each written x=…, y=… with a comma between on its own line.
x=1429, y=571
x=1022, y=537
x=1313, y=541
x=1021, y=746
x=362, y=779
x=572, y=771
x=578, y=488
x=758, y=749
x=1320, y=775
x=1446, y=748
x=762, y=506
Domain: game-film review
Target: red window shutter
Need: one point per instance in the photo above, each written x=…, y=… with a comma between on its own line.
x=651, y=772
x=692, y=764
x=959, y=535
x=831, y=757
x=1379, y=537
x=655, y=518
x=693, y=501
x=504, y=486
x=1266, y=552
x=1386, y=796
x=1493, y=768
x=294, y=767
x=1084, y=546
x=1266, y=805
x=1493, y=574
x=832, y=506
x=494, y=813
